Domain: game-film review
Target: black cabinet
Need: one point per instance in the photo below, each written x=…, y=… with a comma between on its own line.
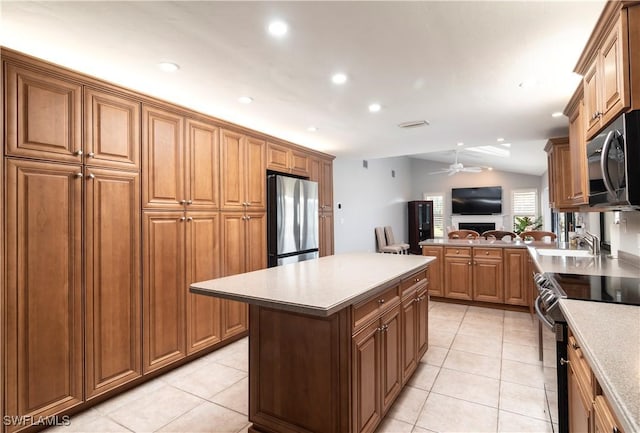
x=420, y=223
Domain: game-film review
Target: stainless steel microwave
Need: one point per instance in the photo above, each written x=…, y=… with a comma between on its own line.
x=613, y=159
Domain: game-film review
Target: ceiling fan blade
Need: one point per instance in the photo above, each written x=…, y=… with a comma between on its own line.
x=439, y=172
x=472, y=169
x=453, y=172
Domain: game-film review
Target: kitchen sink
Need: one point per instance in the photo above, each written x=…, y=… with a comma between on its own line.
x=563, y=253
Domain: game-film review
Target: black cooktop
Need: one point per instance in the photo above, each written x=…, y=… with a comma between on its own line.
x=621, y=290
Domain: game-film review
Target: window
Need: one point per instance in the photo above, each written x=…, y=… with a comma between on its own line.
x=438, y=213
x=524, y=203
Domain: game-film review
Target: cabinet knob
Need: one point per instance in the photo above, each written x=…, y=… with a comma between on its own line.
x=78, y=152
x=182, y=218
x=575, y=346
x=487, y=253
x=385, y=328
x=183, y=201
x=380, y=301
x=248, y=217
x=457, y=251
x=189, y=219
x=91, y=176
x=91, y=154
x=189, y=201
x=563, y=361
x=78, y=175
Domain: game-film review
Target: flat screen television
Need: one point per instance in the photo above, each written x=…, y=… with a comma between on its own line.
x=484, y=200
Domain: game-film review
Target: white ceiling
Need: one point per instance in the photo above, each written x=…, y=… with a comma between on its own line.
x=457, y=65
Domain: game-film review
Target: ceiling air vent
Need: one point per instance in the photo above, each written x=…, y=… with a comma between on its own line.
x=413, y=124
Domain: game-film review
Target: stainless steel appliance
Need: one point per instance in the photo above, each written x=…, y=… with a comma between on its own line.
x=292, y=220
x=551, y=288
x=612, y=157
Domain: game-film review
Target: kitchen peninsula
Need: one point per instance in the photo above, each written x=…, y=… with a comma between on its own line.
x=332, y=341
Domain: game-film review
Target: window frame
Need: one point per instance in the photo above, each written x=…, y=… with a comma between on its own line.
x=442, y=195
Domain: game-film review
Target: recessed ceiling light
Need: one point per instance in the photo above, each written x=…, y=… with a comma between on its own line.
x=490, y=168
x=245, y=99
x=461, y=144
x=339, y=78
x=505, y=144
x=375, y=107
x=557, y=114
x=278, y=28
x=312, y=129
x=500, y=140
x=168, y=66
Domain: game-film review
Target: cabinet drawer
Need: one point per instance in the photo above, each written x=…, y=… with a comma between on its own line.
x=458, y=252
x=372, y=307
x=581, y=368
x=412, y=281
x=495, y=253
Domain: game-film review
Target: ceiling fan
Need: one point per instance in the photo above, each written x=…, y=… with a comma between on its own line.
x=457, y=167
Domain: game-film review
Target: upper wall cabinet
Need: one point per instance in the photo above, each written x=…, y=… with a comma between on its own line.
x=43, y=116
x=112, y=130
x=242, y=172
x=287, y=160
x=610, y=67
x=578, y=150
x=560, y=174
x=179, y=175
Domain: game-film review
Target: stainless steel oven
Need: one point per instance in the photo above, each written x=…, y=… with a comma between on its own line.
x=612, y=157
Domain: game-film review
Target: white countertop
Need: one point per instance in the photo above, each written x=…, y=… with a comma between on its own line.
x=595, y=265
x=609, y=336
x=318, y=287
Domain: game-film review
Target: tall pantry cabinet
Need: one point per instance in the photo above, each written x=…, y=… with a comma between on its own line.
x=113, y=203
x=72, y=212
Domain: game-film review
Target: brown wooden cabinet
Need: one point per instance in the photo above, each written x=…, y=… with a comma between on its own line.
x=111, y=130
x=287, y=160
x=415, y=306
x=244, y=249
x=164, y=288
x=204, y=315
x=607, y=80
x=409, y=337
x=603, y=417
x=43, y=291
x=560, y=174
x=242, y=172
x=390, y=346
x=113, y=340
x=516, y=276
x=434, y=271
x=488, y=275
x=367, y=405
x=180, y=159
x=578, y=150
x=326, y=234
x=321, y=171
x=458, y=273
x=44, y=115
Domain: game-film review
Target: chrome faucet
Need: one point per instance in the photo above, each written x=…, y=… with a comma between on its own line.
x=593, y=241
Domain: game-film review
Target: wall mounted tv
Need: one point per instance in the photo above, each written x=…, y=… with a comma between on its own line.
x=484, y=200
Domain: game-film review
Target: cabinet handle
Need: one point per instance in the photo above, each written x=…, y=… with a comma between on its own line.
x=563, y=361
x=615, y=430
x=468, y=263
x=91, y=176
x=91, y=154
x=575, y=346
x=457, y=251
x=189, y=219
x=189, y=201
x=183, y=201
x=248, y=217
x=78, y=174
x=79, y=152
x=380, y=301
x=385, y=328
x=182, y=218
x=417, y=280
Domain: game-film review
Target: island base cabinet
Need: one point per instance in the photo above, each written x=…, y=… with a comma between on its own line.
x=299, y=371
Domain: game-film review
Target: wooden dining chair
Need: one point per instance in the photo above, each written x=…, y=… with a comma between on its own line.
x=498, y=234
x=381, y=243
x=538, y=235
x=464, y=234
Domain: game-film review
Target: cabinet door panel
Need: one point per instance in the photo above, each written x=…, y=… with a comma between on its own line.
x=409, y=321
x=162, y=159
x=232, y=181
x=591, y=99
x=113, y=305
x=165, y=289
x=44, y=370
x=277, y=158
x=434, y=271
x=487, y=281
x=614, y=85
x=326, y=190
x=299, y=162
x=112, y=130
x=578, y=151
x=515, y=277
x=203, y=171
x=234, y=261
x=391, y=368
x=326, y=234
x=579, y=415
x=422, y=323
x=366, y=379
x=203, y=263
x=44, y=117
x=256, y=174
x=457, y=278
x=256, y=241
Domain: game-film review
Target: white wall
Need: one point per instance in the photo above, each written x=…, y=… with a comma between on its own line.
x=423, y=182
x=369, y=197
x=630, y=233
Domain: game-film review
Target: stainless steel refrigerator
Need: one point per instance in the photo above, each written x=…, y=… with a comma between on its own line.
x=292, y=219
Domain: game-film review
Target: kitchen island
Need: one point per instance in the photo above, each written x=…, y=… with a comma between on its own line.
x=332, y=341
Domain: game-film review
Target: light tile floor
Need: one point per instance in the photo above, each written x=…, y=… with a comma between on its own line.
x=480, y=374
